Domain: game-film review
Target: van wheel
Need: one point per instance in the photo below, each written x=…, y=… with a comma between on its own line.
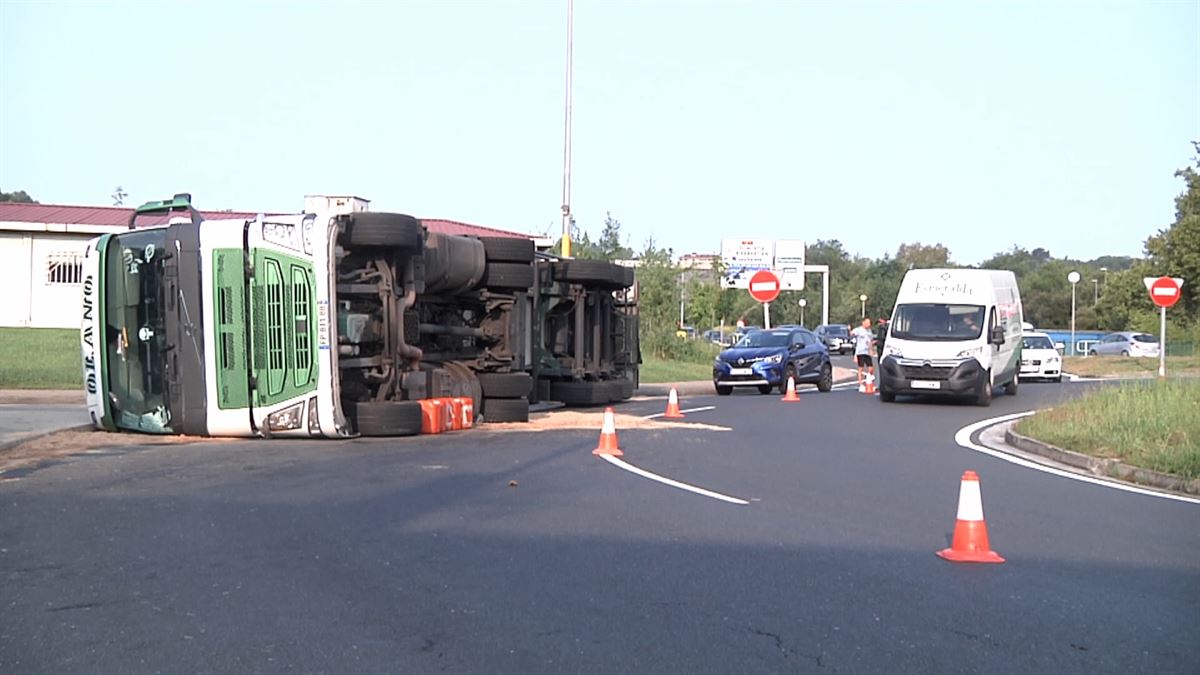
x=887, y=396
x=984, y=398
x=1011, y=387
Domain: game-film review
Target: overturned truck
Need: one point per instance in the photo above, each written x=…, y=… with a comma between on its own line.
x=338, y=322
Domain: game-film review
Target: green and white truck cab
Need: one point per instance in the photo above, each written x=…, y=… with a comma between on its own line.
x=337, y=322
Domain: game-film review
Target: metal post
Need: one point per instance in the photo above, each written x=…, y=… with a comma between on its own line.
x=569, y=87
x=825, y=296
x=767, y=315
x=1072, y=318
x=1162, y=343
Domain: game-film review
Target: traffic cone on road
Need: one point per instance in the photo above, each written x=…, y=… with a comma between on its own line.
x=673, y=411
x=790, y=395
x=869, y=386
x=608, y=436
x=970, y=531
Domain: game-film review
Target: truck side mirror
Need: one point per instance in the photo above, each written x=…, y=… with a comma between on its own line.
x=997, y=335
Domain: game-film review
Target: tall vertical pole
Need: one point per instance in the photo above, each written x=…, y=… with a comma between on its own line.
x=1072, y=318
x=767, y=315
x=566, y=186
x=1162, y=343
x=825, y=297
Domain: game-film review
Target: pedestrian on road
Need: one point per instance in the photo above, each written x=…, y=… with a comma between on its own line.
x=881, y=329
x=863, y=340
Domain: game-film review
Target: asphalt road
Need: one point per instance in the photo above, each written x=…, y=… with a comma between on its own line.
x=417, y=556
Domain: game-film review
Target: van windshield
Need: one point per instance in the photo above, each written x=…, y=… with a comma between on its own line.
x=938, y=322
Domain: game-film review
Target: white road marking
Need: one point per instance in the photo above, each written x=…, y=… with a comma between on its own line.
x=673, y=483
x=684, y=411
x=963, y=438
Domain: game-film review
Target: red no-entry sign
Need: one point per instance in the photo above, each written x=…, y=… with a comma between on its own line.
x=1165, y=291
x=764, y=286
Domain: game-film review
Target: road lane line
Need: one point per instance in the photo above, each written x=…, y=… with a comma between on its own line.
x=963, y=438
x=685, y=411
x=673, y=483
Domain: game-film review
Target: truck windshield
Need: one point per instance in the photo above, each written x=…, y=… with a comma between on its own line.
x=135, y=331
x=937, y=322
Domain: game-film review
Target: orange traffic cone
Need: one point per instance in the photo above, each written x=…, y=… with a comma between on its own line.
x=673, y=411
x=869, y=387
x=790, y=395
x=970, y=531
x=608, y=436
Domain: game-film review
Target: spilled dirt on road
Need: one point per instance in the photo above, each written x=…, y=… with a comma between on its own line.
x=574, y=419
x=69, y=442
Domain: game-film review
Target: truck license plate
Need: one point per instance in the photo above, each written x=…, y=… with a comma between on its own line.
x=926, y=384
x=741, y=371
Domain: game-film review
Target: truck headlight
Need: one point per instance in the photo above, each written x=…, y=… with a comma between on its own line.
x=286, y=419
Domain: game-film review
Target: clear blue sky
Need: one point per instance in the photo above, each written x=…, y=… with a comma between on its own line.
x=976, y=125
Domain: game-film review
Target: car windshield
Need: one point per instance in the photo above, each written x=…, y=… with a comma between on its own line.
x=837, y=331
x=135, y=330
x=1145, y=337
x=1037, y=342
x=937, y=322
x=765, y=338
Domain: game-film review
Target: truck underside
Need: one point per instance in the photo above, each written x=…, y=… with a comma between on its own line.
x=422, y=315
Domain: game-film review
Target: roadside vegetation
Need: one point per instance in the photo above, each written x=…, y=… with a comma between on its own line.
x=662, y=371
x=1119, y=366
x=40, y=358
x=1154, y=425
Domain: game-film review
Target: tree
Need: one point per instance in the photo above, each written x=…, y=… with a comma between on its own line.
x=919, y=256
x=19, y=196
x=609, y=246
x=1175, y=251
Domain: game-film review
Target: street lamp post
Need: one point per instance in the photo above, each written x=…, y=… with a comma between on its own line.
x=1095, y=292
x=1073, y=277
x=863, y=299
x=803, y=303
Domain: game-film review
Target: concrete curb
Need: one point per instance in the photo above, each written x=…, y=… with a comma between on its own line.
x=1102, y=467
x=42, y=434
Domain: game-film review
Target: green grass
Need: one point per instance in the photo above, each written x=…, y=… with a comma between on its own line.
x=1154, y=425
x=1127, y=366
x=40, y=358
x=661, y=371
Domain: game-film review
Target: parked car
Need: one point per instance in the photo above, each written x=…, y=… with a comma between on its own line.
x=836, y=337
x=766, y=358
x=1039, y=358
x=1126, y=343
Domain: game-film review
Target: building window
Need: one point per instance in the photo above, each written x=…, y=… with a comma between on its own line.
x=64, y=269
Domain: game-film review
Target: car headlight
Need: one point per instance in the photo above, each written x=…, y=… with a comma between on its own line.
x=778, y=358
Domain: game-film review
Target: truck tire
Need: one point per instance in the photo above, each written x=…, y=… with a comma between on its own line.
x=505, y=385
x=599, y=272
x=580, y=393
x=385, y=229
x=511, y=276
x=505, y=410
x=620, y=390
x=388, y=418
x=507, y=249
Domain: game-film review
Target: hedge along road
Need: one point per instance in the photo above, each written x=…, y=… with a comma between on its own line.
x=416, y=555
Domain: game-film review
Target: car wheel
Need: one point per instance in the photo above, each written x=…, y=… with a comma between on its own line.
x=765, y=388
x=1124, y=352
x=825, y=384
x=724, y=390
x=1058, y=379
x=1093, y=353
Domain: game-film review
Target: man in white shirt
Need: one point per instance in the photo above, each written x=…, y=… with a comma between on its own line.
x=863, y=340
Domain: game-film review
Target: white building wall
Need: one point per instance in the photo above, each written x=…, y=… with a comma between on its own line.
x=41, y=279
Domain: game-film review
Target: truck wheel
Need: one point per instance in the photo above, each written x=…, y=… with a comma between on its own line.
x=513, y=276
x=385, y=229
x=388, y=418
x=505, y=385
x=619, y=390
x=505, y=410
x=507, y=249
x=599, y=272
x=580, y=393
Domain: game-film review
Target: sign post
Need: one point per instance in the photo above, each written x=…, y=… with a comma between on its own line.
x=764, y=287
x=1165, y=292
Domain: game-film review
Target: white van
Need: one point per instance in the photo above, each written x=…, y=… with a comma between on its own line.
x=953, y=332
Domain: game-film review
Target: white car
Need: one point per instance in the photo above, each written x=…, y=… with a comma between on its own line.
x=1039, y=359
